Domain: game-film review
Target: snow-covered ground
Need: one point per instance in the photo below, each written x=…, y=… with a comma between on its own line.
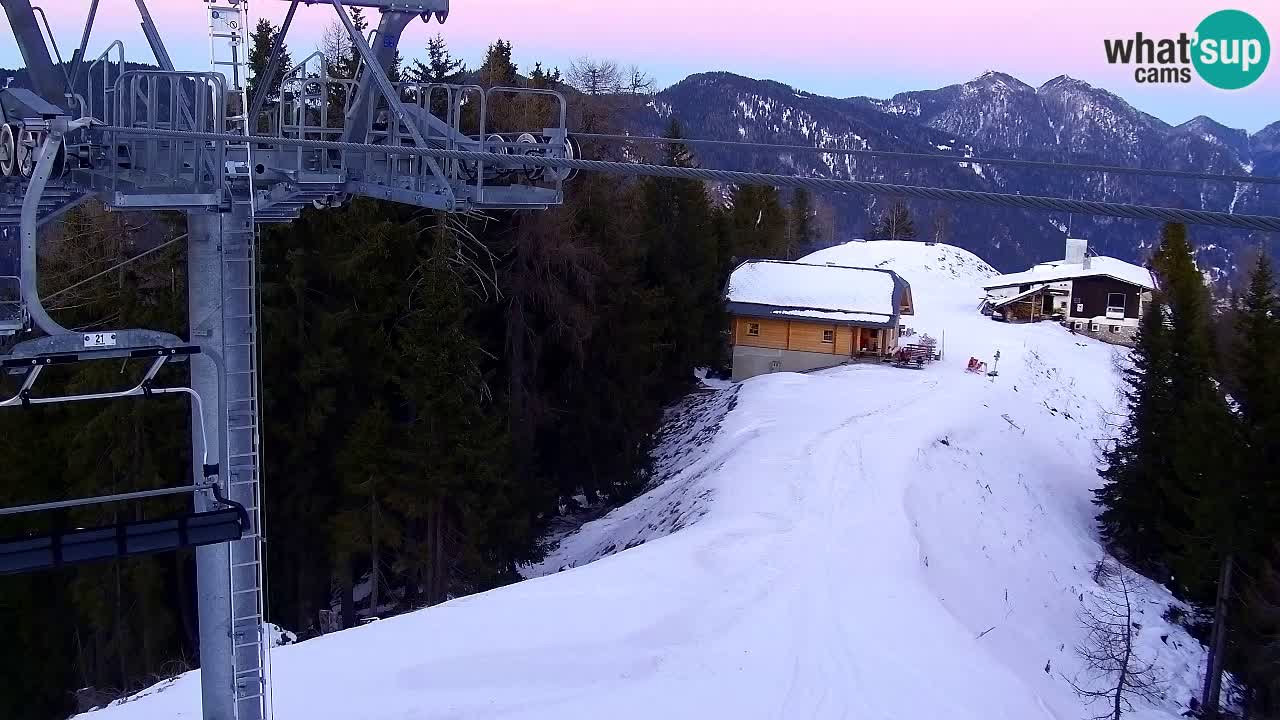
x=863, y=542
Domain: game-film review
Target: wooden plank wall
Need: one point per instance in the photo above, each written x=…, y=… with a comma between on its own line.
x=773, y=333
x=808, y=337
x=796, y=335
x=844, y=340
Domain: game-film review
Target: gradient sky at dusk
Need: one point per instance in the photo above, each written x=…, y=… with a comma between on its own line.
x=832, y=47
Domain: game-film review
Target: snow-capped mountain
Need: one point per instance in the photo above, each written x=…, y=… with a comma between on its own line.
x=993, y=115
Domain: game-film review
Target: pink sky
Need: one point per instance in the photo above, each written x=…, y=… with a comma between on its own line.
x=832, y=47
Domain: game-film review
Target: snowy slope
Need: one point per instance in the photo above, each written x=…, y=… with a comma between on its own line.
x=863, y=542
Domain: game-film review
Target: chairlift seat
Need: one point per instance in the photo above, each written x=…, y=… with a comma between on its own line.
x=128, y=539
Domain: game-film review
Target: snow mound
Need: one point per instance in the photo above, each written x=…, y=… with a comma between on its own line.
x=945, y=264
x=863, y=541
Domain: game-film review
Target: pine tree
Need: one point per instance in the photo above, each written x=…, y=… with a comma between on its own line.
x=756, y=223
x=894, y=224
x=1168, y=503
x=370, y=472
x=261, y=40
x=1256, y=364
x=1200, y=526
x=505, y=112
x=1200, y=472
x=468, y=523
x=498, y=69
x=1132, y=497
x=800, y=229
x=1248, y=507
x=681, y=264
x=441, y=66
x=353, y=59
x=1259, y=660
x=395, y=73
x=542, y=79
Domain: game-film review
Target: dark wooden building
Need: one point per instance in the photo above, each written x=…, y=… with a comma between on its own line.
x=1098, y=296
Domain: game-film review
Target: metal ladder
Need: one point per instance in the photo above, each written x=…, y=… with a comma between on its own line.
x=228, y=34
x=243, y=461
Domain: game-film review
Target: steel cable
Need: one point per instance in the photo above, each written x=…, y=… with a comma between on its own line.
x=940, y=158
x=1265, y=223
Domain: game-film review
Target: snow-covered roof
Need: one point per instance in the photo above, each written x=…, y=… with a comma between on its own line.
x=1001, y=302
x=835, y=293
x=1060, y=270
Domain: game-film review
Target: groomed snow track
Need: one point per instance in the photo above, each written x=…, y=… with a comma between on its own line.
x=862, y=542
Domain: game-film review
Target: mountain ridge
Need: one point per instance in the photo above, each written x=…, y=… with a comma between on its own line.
x=997, y=115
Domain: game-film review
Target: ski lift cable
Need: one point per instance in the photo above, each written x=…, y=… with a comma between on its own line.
x=113, y=268
x=1264, y=223
x=938, y=158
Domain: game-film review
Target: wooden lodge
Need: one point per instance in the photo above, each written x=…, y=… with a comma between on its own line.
x=791, y=316
x=1099, y=296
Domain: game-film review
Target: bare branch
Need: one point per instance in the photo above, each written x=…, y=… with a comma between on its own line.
x=1113, y=668
x=595, y=76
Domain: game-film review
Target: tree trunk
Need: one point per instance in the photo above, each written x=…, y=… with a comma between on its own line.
x=1217, y=642
x=346, y=593
x=121, y=651
x=1128, y=648
x=304, y=612
x=442, y=570
x=430, y=541
x=373, y=553
x=186, y=604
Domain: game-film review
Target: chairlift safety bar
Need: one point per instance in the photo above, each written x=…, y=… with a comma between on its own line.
x=117, y=497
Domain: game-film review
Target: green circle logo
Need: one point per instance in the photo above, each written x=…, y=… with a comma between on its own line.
x=1232, y=49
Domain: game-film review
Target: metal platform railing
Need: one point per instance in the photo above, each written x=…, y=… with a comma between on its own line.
x=167, y=172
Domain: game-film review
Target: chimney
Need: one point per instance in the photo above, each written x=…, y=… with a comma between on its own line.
x=1077, y=248
x=1088, y=262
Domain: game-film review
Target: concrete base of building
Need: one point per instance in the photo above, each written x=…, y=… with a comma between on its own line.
x=751, y=361
x=1124, y=335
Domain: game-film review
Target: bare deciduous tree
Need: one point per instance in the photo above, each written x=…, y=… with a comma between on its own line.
x=941, y=230
x=335, y=45
x=638, y=82
x=595, y=76
x=1114, y=671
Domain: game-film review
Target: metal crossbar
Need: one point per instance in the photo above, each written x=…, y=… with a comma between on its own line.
x=116, y=497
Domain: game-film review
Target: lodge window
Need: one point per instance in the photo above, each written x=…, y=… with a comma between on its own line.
x=1079, y=326
x=828, y=336
x=1094, y=327
x=1115, y=304
x=1115, y=328
x=753, y=329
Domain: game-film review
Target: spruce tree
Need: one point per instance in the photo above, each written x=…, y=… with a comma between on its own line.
x=441, y=66
x=756, y=223
x=1255, y=360
x=353, y=59
x=1202, y=526
x=498, y=68
x=800, y=226
x=1246, y=511
x=1201, y=473
x=1132, y=497
x=261, y=40
x=681, y=265
x=1259, y=640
